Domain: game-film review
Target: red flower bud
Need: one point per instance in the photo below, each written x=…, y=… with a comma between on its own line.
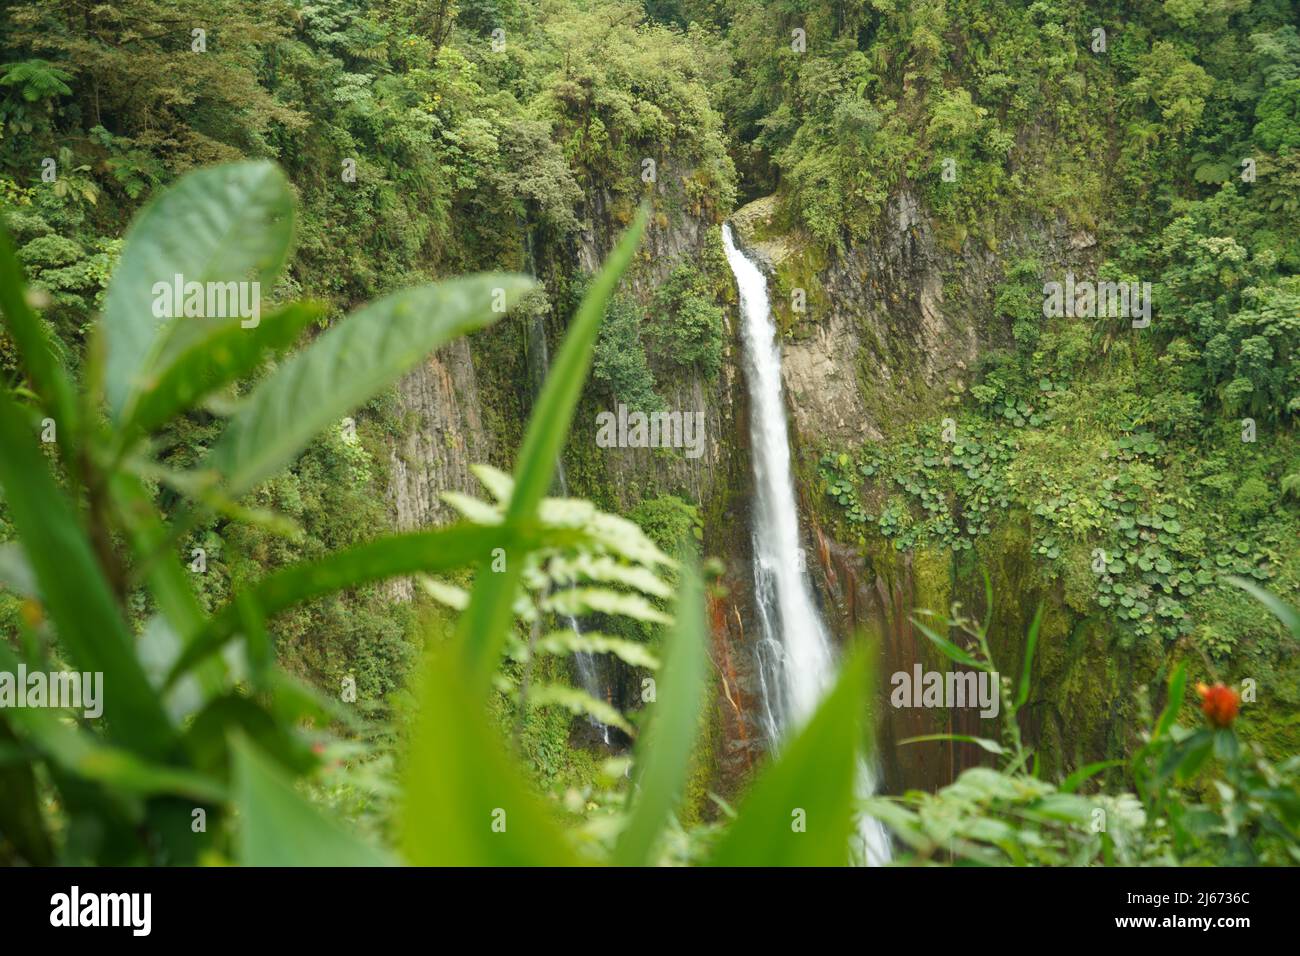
x=1218, y=704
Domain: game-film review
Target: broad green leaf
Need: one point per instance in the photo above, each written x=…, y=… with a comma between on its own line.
x=277, y=826
x=465, y=800
x=75, y=593
x=348, y=365
x=1061, y=807
x=810, y=786
x=258, y=651
x=1193, y=753
x=216, y=353
x=35, y=342
x=81, y=753
x=486, y=623
x=663, y=754
x=169, y=584
x=157, y=648
x=207, y=740
x=902, y=822
x=230, y=223
x=388, y=556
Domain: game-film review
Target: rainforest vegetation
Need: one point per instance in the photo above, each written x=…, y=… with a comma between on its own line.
x=360, y=582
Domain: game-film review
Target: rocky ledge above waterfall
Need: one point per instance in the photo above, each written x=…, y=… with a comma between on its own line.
x=878, y=334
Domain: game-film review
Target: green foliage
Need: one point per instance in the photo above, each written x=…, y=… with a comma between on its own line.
x=1278, y=113
x=621, y=89
x=800, y=810
x=687, y=325
x=1154, y=557
x=461, y=155
x=1232, y=307
x=65, y=534
x=959, y=486
x=1123, y=450
x=671, y=523
x=36, y=80
x=228, y=224
x=1011, y=816
x=285, y=831
x=620, y=359
x=465, y=800
x=612, y=572
x=348, y=364
x=664, y=752
x=70, y=579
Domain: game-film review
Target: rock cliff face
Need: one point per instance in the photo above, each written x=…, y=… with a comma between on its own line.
x=1081, y=704
x=881, y=328
x=443, y=434
x=444, y=429
x=467, y=404
x=718, y=482
x=875, y=337
x=677, y=234
x=889, y=327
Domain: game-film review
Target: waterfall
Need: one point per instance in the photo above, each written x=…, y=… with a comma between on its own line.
x=589, y=676
x=794, y=648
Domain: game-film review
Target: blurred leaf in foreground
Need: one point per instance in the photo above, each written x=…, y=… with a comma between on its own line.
x=800, y=810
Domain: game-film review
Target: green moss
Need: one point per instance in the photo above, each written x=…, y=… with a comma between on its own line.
x=932, y=579
x=799, y=268
x=697, y=806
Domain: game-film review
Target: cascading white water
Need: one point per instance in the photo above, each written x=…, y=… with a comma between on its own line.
x=795, y=663
x=589, y=674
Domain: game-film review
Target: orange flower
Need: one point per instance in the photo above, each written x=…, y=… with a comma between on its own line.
x=1218, y=704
